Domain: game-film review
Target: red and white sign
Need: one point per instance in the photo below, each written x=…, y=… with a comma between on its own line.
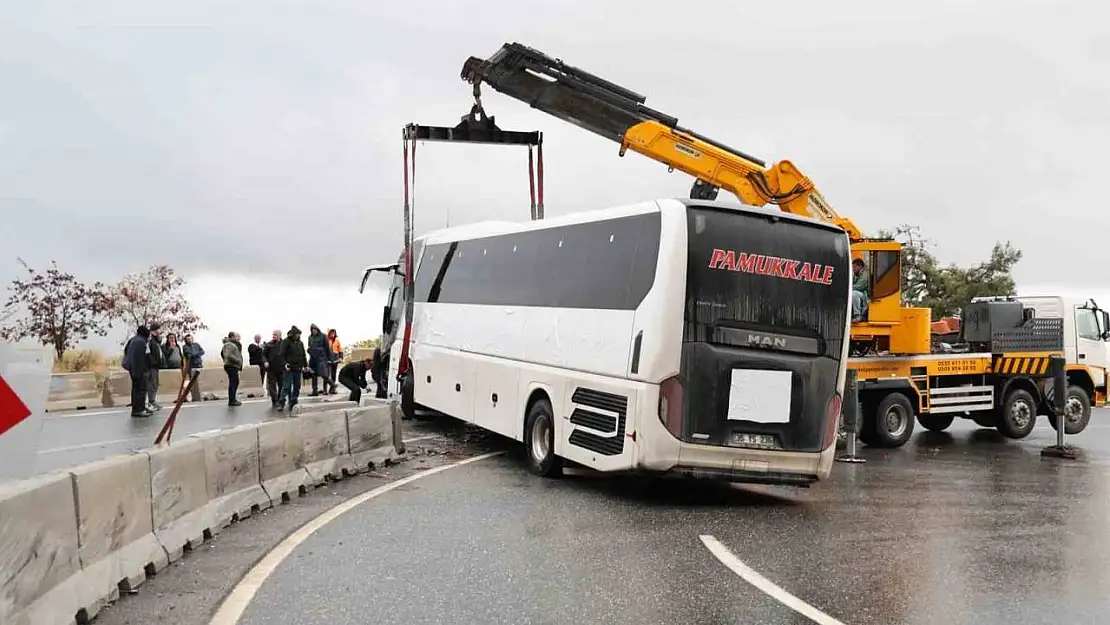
x=25, y=373
x=12, y=409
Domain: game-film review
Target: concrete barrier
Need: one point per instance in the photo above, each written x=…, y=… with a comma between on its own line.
x=117, y=546
x=373, y=441
x=180, y=510
x=326, y=447
x=71, y=542
x=74, y=386
x=281, y=460
x=321, y=406
x=41, y=581
x=231, y=466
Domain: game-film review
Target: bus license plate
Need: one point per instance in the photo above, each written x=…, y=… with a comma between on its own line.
x=759, y=441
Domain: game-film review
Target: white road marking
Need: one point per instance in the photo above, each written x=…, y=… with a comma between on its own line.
x=88, y=445
x=240, y=597
x=125, y=409
x=749, y=575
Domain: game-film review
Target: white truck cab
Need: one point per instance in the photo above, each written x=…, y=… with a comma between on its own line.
x=1086, y=348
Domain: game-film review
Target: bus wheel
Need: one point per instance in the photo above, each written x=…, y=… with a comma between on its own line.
x=1018, y=414
x=893, y=423
x=539, y=438
x=1077, y=411
x=408, y=404
x=935, y=422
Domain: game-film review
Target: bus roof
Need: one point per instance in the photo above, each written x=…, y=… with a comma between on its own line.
x=491, y=228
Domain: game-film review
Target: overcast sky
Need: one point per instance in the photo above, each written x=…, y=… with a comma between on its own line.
x=255, y=146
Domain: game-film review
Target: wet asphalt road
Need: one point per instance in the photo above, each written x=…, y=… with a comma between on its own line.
x=960, y=527
x=72, y=438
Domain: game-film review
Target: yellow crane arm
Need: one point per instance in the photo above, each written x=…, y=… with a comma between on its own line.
x=781, y=184
x=614, y=112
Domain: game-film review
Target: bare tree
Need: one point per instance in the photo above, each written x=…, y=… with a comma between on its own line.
x=54, y=308
x=155, y=295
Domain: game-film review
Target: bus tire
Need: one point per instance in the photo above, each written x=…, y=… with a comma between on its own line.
x=1018, y=414
x=1078, y=411
x=408, y=402
x=539, y=440
x=935, y=422
x=894, y=420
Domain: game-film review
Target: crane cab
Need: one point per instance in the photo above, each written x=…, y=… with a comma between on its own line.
x=887, y=326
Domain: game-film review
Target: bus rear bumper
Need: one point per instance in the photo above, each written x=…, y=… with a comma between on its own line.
x=667, y=454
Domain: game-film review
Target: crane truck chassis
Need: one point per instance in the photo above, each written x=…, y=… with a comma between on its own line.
x=1003, y=382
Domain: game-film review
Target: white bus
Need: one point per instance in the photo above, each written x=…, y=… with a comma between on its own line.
x=693, y=337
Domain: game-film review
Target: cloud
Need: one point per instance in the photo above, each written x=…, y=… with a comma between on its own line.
x=262, y=138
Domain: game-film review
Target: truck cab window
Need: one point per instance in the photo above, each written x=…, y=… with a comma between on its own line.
x=1086, y=324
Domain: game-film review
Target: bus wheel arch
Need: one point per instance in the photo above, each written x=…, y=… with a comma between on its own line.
x=539, y=435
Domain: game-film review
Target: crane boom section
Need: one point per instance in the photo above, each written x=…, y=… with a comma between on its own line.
x=618, y=114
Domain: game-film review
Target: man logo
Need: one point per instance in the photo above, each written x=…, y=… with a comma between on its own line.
x=760, y=340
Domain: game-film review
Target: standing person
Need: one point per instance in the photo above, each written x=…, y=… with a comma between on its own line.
x=157, y=362
x=194, y=362
x=172, y=355
x=334, y=358
x=275, y=367
x=254, y=352
x=294, y=362
x=232, y=354
x=318, y=356
x=137, y=363
x=353, y=377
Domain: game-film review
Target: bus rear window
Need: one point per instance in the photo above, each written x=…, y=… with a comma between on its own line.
x=777, y=280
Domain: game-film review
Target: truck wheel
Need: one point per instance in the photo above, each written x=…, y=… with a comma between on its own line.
x=1018, y=414
x=539, y=439
x=1077, y=411
x=893, y=423
x=935, y=422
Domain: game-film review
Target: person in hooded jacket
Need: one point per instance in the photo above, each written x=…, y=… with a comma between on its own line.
x=319, y=353
x=294, y=361
x=136, y=361
x=335, y=357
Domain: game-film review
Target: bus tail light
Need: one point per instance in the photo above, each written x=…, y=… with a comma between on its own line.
x=670, y=405
x=832, y=420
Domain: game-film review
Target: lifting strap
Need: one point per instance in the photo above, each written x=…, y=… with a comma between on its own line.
x=535, y=182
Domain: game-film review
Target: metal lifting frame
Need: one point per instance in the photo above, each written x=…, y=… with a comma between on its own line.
x=475, y=127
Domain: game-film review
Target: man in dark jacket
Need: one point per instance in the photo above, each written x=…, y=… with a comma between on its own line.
x=295, y=360
x=254, y=352
x=353, y=377
x=319, y=352
x=136, y=361
x=157, y=363
x=274, y=365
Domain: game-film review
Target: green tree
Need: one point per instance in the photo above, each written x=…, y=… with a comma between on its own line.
x=945, y=289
